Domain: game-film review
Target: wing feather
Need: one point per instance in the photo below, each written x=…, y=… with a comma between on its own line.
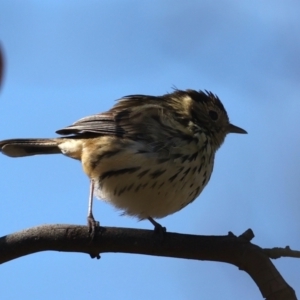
x=117, y=121
x=103, y=124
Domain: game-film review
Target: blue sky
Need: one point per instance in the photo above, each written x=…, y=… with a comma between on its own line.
x=68, y=59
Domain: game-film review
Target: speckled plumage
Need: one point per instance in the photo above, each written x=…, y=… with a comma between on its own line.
x=148, y=156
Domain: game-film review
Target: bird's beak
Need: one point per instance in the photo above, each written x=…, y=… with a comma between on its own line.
x=234, y=129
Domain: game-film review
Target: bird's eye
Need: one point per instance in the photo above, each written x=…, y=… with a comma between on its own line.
x=213, y=115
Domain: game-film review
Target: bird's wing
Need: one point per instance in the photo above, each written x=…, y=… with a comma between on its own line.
x=123, y=119
x=102, y=124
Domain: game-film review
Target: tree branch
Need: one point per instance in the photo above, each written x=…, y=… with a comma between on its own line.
x=278, y=252
x=230, y=249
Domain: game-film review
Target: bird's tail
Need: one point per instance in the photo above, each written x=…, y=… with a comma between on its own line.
x=27, y=147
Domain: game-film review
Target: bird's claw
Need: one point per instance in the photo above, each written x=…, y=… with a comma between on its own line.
x=160, y=230
x=92, y=224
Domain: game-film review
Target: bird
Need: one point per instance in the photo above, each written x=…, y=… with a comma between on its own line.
x=148, y=156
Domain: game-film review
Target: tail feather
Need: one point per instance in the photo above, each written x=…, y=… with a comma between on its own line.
x=27, y=147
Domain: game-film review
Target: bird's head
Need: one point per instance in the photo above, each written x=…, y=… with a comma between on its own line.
x=206, y=113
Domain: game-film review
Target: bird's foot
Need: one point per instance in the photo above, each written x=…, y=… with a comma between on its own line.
x=158, y=229
x=92, y=224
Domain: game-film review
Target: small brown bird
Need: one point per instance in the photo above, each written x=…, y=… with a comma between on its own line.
x=148, y=156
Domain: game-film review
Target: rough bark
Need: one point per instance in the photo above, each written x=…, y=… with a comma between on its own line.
x=230, y=249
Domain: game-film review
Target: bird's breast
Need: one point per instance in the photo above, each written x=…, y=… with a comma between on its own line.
x=146, y=184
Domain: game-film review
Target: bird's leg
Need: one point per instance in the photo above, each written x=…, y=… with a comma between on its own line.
x=92, y=223
x=158, y=229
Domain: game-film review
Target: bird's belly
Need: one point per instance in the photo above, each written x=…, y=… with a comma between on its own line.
x=155, y=191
